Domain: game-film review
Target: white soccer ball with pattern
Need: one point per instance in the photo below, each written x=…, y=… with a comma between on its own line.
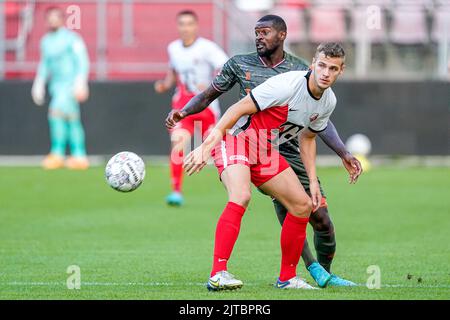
x=125, y=171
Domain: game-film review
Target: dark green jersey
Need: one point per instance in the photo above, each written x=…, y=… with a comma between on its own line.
x=249, y=71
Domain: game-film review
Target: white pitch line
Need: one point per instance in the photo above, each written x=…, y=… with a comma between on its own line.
x=170, y=284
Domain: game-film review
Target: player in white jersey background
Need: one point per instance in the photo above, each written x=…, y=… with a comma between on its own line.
x=193, y=63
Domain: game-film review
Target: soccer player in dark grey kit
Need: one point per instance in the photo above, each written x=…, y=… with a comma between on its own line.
x=250, y=70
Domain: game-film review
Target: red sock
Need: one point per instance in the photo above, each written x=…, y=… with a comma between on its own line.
x=227, y=232
x=176, y=170
x=293, y=234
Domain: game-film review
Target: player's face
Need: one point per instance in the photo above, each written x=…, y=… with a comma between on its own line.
x=187, y=27
x=55, y=19
x=267, y=38
x=327, y=70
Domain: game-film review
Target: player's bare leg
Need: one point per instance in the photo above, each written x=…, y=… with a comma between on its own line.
x=287, y=189
x=236, y=179
x=179, y=139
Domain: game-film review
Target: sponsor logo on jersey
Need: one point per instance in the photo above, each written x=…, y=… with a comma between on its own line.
x=238, y=158
x=313, y=117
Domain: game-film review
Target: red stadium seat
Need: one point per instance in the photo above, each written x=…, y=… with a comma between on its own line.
x=384, y=4
x=295, y=3
x=295, y=21
x=422, y=3
x=409, y=25
x=327, y=24
x=334, y=3
x=12, y=8
x=359, y=19
x=441, y=23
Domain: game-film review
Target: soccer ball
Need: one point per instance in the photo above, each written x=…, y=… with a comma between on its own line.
x=125, y=171
x=359, y=144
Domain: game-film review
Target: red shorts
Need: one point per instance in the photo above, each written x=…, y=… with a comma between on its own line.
x=204, y=120
x=263, y=160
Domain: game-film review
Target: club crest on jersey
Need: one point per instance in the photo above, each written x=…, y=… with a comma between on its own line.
x=313, y=117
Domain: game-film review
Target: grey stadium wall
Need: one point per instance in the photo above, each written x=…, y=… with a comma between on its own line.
x=401, y=118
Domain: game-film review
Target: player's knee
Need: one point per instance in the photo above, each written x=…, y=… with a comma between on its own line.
x=241, y=197
x=179, y=138
x=177, y=147
x=324, y=226
x=180, y=144
x=302, y=208
x=321, y=221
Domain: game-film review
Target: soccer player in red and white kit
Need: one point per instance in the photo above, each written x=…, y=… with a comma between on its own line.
x=193, y=64
x=295, y=104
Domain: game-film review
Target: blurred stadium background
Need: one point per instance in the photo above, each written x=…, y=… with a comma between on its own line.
x=395, y=89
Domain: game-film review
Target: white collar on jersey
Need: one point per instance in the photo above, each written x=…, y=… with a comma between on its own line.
x=265, y=65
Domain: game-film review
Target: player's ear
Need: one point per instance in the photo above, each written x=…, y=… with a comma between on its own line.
x=282, y=35
x=342, y=69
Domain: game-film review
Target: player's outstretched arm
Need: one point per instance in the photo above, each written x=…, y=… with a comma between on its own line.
x=196, y=160
x=162, y=86
x=308, y=154
x=332, y=139
x=197, y=104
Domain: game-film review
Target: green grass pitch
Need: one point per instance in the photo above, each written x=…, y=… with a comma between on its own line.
x=132, y=246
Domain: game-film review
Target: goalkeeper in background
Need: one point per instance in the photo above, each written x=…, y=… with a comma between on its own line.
x=65, y=65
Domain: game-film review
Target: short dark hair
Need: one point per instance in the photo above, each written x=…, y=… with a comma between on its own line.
x=187, y=13
x=277, y=22
x=331, y=49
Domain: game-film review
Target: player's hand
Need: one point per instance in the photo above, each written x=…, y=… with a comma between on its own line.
x=160, y=87
x=81, y=92
x=196, y=160
x=173, y=117
x=316, y=195
x=38, y=92
x=353, y=166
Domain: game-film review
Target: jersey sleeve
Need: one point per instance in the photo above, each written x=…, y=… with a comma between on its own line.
x=216, y=56
x=170, y=55
x=81, y=57
x=320, y=124
x=274, y=92
x=43, y=67
x=226, y=78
